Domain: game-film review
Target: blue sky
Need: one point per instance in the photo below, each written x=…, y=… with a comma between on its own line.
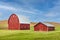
x=31, y=10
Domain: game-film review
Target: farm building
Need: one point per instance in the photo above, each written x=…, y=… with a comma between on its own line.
x=24, y=26
x=13, y=22
x=44, y=27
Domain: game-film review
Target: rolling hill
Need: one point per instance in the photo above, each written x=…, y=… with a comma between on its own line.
x=3, y=24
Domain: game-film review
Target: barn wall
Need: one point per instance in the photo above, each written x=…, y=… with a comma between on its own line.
x=40, y=27
x=51, y=28
x=13, y=22
x=36, y=28
x=43, y=27
x=24, y=26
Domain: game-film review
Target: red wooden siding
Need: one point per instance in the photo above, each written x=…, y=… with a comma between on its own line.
x=24, y=26
x=13, y=22
x=42, y=27
x=51, y=28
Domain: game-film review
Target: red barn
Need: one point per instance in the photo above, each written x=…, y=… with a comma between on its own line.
x=13, y=22
x=44, y=27
x=24, y=26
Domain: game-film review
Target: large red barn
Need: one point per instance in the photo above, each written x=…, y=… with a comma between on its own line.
x=13, y=22
x=44, y=27
x=24, y=26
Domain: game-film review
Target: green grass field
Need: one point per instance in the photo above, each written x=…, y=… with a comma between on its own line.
x=29, y=34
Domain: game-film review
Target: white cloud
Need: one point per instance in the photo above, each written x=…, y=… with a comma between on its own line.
x=54, y=11
x=27, y=2
x=6, y=7
x=27, y=11
x=30, y=10
x=23, y=19
x=51, y=14
x=0, y=14
x=33, y=11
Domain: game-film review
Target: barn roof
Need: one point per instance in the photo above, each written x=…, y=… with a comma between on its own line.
x=24, y=23
x=47, y=24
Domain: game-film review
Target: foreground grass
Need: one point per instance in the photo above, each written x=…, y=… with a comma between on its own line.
x=28, y=35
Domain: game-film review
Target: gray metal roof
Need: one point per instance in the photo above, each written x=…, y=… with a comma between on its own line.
x=47, y=24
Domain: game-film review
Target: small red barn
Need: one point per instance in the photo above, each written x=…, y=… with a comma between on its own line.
x=24, y=26
x=44, y=27
x=13, y=22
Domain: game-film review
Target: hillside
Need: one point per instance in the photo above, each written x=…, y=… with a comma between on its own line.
x=3, y=24
x=54, y=23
